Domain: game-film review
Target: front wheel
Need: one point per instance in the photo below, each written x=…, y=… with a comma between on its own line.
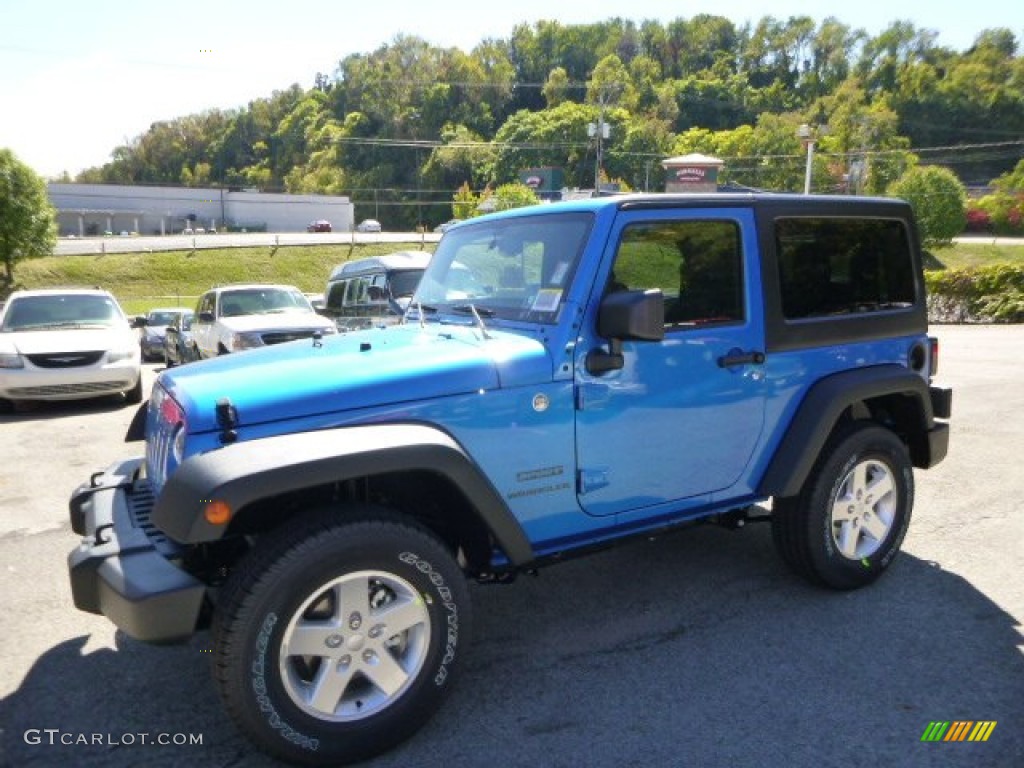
x=133, y=396
x=849, y=520
x=339, y=640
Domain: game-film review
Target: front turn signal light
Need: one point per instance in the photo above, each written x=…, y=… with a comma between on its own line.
x=217, y=512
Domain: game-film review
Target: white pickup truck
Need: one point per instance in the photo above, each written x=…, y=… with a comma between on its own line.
x=231, y=318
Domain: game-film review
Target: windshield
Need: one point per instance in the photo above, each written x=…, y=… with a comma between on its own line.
x=515, y=268
x=261, y=301
x=403, y=284
x=33, y=313
x=160, y=318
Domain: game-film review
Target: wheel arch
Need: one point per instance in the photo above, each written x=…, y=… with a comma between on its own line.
x=266, y=480
x=888, y=394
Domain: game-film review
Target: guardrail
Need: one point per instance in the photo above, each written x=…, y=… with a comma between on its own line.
x=72, y=246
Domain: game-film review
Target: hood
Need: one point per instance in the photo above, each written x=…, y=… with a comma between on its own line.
x=275, y=321
x=355, y=370
x=67, y=340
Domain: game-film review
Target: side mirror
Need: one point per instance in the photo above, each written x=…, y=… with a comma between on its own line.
x=632, y=315
x=626, y=316
x=139, y=321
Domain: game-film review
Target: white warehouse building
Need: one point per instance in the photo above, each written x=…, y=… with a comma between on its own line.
x=93, y=209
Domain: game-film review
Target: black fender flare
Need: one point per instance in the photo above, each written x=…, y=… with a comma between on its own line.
x=245, y=472
x=820, y=410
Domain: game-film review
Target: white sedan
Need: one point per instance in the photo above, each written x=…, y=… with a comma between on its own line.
x=67, y=345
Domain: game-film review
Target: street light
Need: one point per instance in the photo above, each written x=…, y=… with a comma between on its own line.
x=806, y=134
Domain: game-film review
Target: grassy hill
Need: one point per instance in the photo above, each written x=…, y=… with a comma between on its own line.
x=141, y=281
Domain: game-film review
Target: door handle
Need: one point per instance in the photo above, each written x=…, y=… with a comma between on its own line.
x=736, y=357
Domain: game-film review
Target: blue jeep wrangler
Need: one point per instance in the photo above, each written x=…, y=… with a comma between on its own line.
x=615, y=367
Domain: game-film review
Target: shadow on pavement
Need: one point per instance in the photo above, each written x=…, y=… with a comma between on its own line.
x=693, y=650
x=37, y=410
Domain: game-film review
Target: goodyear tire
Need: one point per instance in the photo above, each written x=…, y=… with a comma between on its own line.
x=849, y=520
x=339, y=640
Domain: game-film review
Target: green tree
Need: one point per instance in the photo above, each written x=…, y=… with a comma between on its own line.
x=939, y=200
x=464, y=157
x=556, y=87
x=465, y=203
x=28, y=224
x=514, y=195
x=611, y=86
x=1011, y=181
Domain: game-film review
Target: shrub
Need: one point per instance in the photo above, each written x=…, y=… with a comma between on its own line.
x=939, y=201
x=1005, y=211
x=993, y=294
x=978, y=220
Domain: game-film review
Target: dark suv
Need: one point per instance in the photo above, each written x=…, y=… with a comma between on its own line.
x=621, y=366
x=374, y=291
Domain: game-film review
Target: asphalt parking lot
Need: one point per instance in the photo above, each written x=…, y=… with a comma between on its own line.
x=698, y=649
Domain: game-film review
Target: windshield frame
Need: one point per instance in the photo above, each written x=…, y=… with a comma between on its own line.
x=507, y=268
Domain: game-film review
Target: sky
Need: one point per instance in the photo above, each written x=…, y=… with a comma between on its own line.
x=81, y=77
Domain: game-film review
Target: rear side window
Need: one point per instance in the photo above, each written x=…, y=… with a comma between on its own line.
x=843, y=266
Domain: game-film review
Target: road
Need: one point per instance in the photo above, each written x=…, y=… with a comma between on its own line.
x=143, y=244
x=697, y=649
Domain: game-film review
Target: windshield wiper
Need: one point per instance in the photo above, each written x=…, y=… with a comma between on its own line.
x=421, y=309
x=472, y=309
x=476, y=316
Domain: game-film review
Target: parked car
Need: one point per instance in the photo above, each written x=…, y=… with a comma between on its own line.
x=375, y=291
x=637, y=364
x=154, y=326
x=178, y=346
x=368, y=225
x=320, y=225
x=66, y=345
x=236, y=317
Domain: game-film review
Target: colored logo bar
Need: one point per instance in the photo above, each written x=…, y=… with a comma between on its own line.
x=958, y=730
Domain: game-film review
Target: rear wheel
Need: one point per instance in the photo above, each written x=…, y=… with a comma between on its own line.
x=849, y=520
x=340, y=640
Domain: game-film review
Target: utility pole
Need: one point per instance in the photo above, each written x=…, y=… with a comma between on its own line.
x=600, y=131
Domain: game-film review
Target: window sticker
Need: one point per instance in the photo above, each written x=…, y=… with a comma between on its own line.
x=559, y=273
x=547, y=299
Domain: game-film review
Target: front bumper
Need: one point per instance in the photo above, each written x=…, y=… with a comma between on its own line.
x=33, y=383
x=124, y=568
x=152, y=346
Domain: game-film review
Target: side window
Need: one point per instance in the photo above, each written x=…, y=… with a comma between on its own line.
x=355, y=294
x=833, y=266
x=377, y=293
x=205, y=304
x=335, y=296
x=697, y=265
